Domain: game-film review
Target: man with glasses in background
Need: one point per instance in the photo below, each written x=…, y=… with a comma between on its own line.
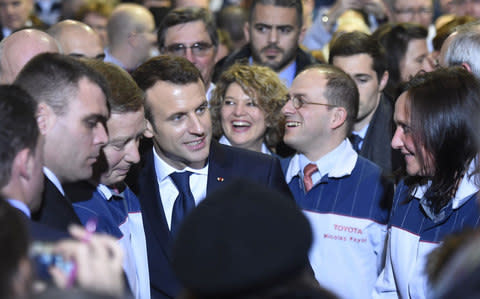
x=461, y=7
x=190, y=32
x=346, y=203
x=414, y=11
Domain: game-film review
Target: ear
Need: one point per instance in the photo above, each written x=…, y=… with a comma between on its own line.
x=246, y=31
x=149, y=131
x=301, y=36
x=46, y=118
x=467, y=67
x=132, y=39
x=338, y=118
x=383, y=81
x=22, y=164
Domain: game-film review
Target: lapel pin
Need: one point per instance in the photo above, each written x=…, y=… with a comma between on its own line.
x=220, y=179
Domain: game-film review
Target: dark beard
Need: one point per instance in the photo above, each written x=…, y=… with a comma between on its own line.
x=288, y=57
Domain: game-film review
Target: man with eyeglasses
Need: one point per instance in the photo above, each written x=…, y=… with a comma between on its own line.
x=190, y=32
x=462, y=7
x=131, y=37
x=415, y=11
x=341, y=193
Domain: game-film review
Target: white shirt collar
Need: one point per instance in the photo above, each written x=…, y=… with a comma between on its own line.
x=110, y=58
x=466, y=189
x=53, y=178
x=225, y=141
x=328, y=164
x=362, y=132
x=163, y=169
x=105, y=191
x=210, y=90
x=20, y=206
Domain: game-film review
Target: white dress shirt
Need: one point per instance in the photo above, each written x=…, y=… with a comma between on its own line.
x=168, y=190
x=53, y=178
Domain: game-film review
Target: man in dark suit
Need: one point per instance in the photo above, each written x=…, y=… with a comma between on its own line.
x=274, y=30
x=363, y=58
x=71, y=115
x=185, y=164
x=21, y=177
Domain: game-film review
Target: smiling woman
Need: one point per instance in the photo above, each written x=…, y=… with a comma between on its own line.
x=246, y=108
x=437, y=124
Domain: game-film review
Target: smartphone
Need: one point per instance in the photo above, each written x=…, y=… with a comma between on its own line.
x=43, y=257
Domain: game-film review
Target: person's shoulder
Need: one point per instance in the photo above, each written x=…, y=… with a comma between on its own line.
x=284, y=162
x=243, y=154
x=41, y=232
x=367, y=166
x=241, y=55
x=371, y=174
x=304, y=60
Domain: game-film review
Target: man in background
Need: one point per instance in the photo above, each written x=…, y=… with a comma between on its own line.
x=131, y=36
x=274, y=31
x=31, y=42
x=77, y=39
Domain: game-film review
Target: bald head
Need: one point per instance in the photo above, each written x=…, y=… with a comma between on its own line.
x=77, y=39
x=31, y=42
x=127, y=19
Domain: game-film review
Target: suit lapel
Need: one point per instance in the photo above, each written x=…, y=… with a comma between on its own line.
x=218, y=163
x=152, y=205
x=56, y=210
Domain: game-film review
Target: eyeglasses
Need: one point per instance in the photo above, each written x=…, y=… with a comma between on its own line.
x=461, y=2
x=298, y=102
x=198, y=49
x=411, y=11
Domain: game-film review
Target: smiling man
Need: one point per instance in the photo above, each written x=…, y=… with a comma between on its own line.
x=184, y=164
x=345, y=202
x=274, y=30
x=72, y=112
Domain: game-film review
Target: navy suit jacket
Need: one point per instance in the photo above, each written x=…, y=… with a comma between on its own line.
x=376, y=145
x=225, y=162
x=56, y=210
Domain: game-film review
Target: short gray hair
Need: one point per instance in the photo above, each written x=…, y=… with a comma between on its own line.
x=465, y=48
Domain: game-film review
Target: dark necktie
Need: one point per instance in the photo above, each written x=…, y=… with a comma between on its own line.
x=184, y=202
x=307, y=175
x=355, y=140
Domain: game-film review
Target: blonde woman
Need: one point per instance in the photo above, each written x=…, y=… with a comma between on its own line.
x=246, y=107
